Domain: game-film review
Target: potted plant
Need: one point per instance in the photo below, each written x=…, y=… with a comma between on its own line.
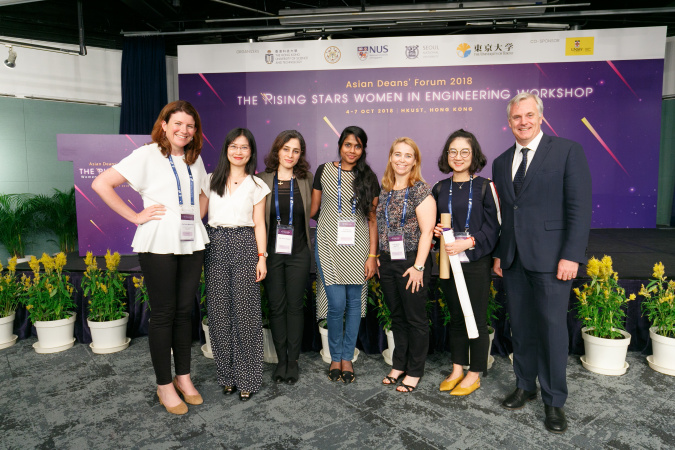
x=107, y=317
x=659, y=306
x=57, y=213
x=600, y=309
x=15, y=223
x=48, y=299
x=492, y=308
x=10, y=291
x=376, y=298
x=206, y=348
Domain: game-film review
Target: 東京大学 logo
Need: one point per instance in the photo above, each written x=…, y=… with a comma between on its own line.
x=463, y=50
x=332, y=54
x=412, y=51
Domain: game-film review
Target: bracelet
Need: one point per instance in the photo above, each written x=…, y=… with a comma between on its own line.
x=370, y=255
x=474, y=242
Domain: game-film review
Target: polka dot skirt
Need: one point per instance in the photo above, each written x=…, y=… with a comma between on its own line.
x=233, y=306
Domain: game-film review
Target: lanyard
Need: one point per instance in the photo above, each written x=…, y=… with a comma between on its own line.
x=405, y=207
x=468, y=213
x=180, y=191
x=340, y=192
x=276, y=201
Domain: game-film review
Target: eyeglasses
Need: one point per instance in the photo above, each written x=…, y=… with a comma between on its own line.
x=464, y=153
x=243, y=148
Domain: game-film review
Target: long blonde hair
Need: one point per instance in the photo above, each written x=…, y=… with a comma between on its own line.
x=389, y=177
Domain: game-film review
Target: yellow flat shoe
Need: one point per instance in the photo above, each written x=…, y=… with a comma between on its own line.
x=459, y=390
x=449, y=385
x=179, y=409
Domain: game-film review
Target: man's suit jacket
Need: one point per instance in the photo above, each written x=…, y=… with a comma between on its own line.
x=550, y=218
x=305, y=186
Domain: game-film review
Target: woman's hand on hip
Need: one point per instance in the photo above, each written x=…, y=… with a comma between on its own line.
x=261, y=269
x=153, y=212
x=415, y=279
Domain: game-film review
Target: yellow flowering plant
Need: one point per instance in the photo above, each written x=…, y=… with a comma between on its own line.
x=48, y=295
x=376, y=298
x=104, y=289
x=443, y=303
x=10, y=289
x=142, y=296
x=492, y=307
x=602, y=300
x=659, y=304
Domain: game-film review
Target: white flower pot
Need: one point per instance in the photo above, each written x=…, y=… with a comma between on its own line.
x=110, y=336
x=206, y=348
x=325, y=351
x=269, y=352
x=663, y=353
x=605, y=356
x=388, y=353
x=7, y=338
x=55, y=335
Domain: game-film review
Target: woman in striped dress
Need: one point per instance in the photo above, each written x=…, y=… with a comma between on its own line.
x=345, y=192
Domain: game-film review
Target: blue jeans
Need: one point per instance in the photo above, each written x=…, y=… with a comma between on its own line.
x=344, y=307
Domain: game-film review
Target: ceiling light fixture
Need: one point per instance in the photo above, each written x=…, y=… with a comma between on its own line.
x=11, y=58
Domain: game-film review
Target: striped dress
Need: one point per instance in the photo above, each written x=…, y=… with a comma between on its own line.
x=341, y=264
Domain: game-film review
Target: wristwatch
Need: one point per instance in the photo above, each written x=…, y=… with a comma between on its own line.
x=418, y=268
x=265, y=254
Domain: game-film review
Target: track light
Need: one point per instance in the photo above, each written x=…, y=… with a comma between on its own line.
x=11, y=58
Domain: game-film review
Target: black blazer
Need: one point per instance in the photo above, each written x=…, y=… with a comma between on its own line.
x=483, y=223
x=550, y=219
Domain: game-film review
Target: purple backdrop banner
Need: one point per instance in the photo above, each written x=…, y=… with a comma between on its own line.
x=612, y=108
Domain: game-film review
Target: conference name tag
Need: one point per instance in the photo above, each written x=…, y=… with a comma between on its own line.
x=346, y=232
x=187, y=225
x=396, y=246
x=451, y=236
x=284, y=244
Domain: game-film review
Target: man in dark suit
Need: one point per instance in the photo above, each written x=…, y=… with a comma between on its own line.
x=544, y=185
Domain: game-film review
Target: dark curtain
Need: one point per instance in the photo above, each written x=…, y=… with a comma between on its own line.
x=143, y=83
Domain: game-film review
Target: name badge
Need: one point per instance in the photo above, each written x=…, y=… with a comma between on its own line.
x=346, y=232
x=450, y=236
x=396, y=246
x=187, y=225
x=284, y=245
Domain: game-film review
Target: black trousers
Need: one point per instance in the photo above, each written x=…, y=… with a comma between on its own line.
x=285, y=285
x=172, y=282
x=537, y=303
x=477, y=277
x=410, y=324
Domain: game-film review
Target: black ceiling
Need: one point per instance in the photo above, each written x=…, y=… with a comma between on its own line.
x=184, y=22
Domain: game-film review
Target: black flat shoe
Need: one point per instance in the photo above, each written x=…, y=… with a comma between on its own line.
x=228, y=390
x=334, y=374
x=279, y=375
x=245, y=396
x=348, y=376
x=292, y=372
x=518, y=398
x=555, y=421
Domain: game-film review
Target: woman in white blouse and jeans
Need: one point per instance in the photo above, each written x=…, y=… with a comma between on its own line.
x=169, y=175
x=235, y=264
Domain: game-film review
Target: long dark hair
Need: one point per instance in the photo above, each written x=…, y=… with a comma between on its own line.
x=365, y=181
x=222, y=172
x=272, y=159
x=478, y=159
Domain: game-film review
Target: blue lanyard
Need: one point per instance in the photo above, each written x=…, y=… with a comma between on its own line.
x=468, y=213
x=276, y=201
x=340, y=192
x=180, y=191
x=405, y=207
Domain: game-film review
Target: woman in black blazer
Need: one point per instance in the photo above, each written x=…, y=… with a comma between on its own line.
x=288, y=245
x=476, y=227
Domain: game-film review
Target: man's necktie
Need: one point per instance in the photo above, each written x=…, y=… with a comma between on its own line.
x=520, y=173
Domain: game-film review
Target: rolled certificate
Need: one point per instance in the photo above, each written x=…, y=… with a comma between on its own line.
x=462, y=291
x=444, y=262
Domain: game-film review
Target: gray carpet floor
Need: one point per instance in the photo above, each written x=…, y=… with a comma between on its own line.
x=77, y=399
